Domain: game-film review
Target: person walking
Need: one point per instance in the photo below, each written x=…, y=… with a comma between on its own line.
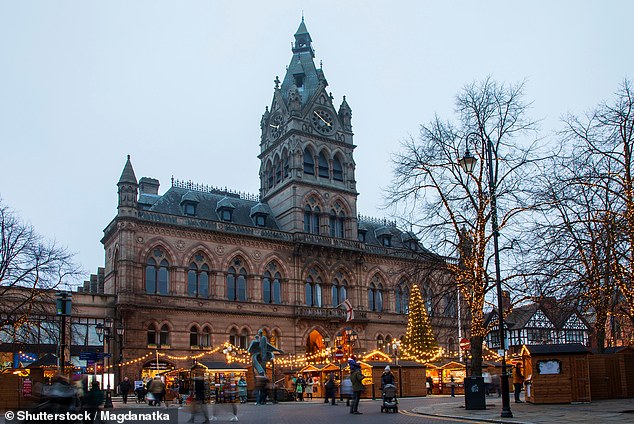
x=198, y=402
x=330, y=389
x=124, y=388
x=486, y=375
x=157, y=388
x=356, y=377
x=309, y=388
x=93, y=399
x=387, y=377
x=242, y=389
x=518, y=382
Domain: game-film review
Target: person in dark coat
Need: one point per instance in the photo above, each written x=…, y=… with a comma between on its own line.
x=93, y=399
x=330, y=388
x=387, y=377
x=124, y=388
x=198, y=404
x=356, y=377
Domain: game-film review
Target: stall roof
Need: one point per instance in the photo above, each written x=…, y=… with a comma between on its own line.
x=555, y=349
x=618, y=349
x=47, y=360
x=401, y=364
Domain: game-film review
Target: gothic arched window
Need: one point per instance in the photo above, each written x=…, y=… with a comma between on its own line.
x=337, y=169
x=205, y=337
x=338, y=292
x=311, y=219
x=312, y=295
x=164, y=336
x=271, y=287
x=336, y=224
x=237, y=282
x=198, y=278
x=323, y=166
x=157, y=274
x=401, y=298
x=151, y=335
x=309, y=162
x=193, y=336
x=375, y=295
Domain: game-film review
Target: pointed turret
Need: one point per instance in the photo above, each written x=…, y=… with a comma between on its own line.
x=345, y=115
x=128, y=190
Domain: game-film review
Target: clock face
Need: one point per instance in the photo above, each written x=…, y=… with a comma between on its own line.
x=323, y=121
x=276, y=126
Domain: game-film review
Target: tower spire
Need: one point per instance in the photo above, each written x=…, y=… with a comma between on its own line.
x=128, y=190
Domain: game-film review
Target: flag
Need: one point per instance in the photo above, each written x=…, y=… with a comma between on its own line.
x=349, y=310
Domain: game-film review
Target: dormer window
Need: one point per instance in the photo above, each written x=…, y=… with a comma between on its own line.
x=384, y=236
x=189, y=209
x=386, y=241
x=225, y=210
x=299, y=80
x=410, y=241
x=259, y=213
x=189, y=203
x=361, y=235
x=226, y=215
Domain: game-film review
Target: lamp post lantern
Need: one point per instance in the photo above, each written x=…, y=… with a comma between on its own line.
x=467, y=163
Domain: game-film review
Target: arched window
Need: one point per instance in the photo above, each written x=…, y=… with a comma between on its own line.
x=244, y=337
x=157, y=274
x=164, y=335
x=380, y=343
x=151, y=335
x=237, y=282
x=375, y=295
x=309, y=162
x=428, y=296
x=271, y=286
x=337, y=170
x=286, y=165
x=313, y=291
x=275, y=339
x=269, y=175
x=336, y=224
x=278, y=171
x=451, y=305
x=338, y=292
x=388, y=345
x=198, y=278
x=193, y=336
x=311, y=219
x=402, y=298
x=205, y=337
x=323, y=166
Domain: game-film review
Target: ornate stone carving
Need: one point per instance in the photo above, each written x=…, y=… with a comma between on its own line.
x=180, y=245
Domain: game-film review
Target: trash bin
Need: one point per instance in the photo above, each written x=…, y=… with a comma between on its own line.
x=474, y=396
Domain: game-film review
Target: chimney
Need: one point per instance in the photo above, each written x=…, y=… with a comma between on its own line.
x=149, y=185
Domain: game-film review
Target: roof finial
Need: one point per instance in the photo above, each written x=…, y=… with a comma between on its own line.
x=302, y=15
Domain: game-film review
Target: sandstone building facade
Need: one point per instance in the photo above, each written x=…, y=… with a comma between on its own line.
x=197, y=266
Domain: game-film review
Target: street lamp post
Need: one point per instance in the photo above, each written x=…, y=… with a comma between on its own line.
x=468, y=162
x=104, y=332
x=120, y=333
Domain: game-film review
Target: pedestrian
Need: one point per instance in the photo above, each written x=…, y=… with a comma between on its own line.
x=429, y=384
x=226, y=394
x=330, y=388
x=309, y=387
x=124, y=388
x=518, y=382
x=452, y=383
x=387, y=377
x=242, y=389
x=496, y=384
x=356, y=377
x=198, y=400
x=300, y=386
x=487, y=382
x=346, y=389
x=157, y=388
x=262, y=386
x=93, y=399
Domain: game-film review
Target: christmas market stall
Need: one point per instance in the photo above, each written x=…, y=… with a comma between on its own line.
x=612, y=373
x=319, y=374
x=557, y=373
x=20, y=387
x=409, y=376
x=216, y=373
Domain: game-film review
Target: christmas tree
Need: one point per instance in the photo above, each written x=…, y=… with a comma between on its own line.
x=420, y=344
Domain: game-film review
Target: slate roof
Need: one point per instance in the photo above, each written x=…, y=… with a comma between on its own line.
x=208, y=203
x=127, y=176
x=558, y=312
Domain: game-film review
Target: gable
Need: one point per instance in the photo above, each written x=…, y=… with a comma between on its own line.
x=539, y=320
x=575, y=323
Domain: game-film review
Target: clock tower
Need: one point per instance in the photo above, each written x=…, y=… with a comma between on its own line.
x=306, y=151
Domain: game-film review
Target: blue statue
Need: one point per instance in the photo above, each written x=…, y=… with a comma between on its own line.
x=261, y=352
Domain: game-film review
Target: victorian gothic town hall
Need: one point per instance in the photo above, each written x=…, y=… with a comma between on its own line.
x=196, y=266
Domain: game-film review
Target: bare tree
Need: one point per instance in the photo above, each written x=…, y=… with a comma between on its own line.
x=30, y=269
x=451, y=209
x=604, y=137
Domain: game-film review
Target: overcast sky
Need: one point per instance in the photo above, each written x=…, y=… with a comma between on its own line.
x=181, y=87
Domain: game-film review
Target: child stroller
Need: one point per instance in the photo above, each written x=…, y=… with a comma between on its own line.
x=140, y=394
x=389, y=398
